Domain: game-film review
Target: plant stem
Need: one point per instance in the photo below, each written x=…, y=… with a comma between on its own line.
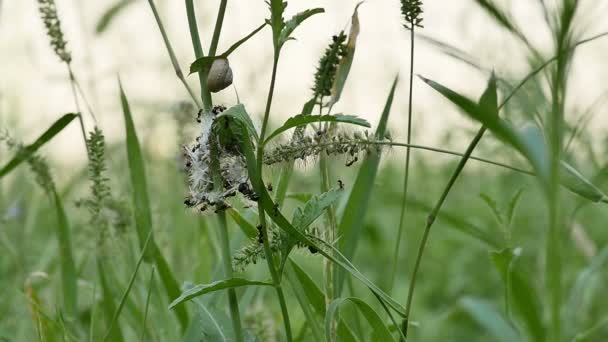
x=218, y=28
x=431, y=219
x=407, y=162
x=262, y=216
x=148, y=296
x=198, y=53
x=553, y=208
x=207, y=101
x=226, y=260
x=413, y=146
x=178, y=70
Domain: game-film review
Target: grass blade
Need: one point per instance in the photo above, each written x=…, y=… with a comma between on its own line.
x=380, y=331
x=351, y=226
x=219, y=285
x=69, y=278
x=107, y=303
x=141, y=205
x=200, y=64
x=490, y=319
x=123, y=299
x=110, y=14
x=520, y=293
x=305, y=119
x=27, y=151
x=347, y=61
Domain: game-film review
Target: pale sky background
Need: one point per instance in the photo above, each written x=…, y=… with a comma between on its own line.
x=34, y=86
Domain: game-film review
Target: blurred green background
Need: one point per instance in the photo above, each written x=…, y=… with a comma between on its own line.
x=457, y=265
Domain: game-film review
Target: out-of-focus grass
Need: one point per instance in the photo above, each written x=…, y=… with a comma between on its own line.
x=457, y=265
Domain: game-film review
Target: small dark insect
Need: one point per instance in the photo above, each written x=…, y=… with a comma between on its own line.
x=341, y=184
x=188, y=164
x=351, y=162
x=217, y=110
x=275, y=211
x=189, y=202
x=198, y=116
x=269, y=186
x=222, y=206
x=312, y=250
x=260, y=234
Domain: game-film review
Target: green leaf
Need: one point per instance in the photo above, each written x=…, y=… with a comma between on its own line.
x=219, y=285
x=294, y=22
x=491, y=203
x=503, y=20
x=299, y=196
x=314, y=294
x=239, y=113
x=583, y=288
x=513, y=205
x=578, y=184
x=210, y=323
x=27, y=151
x=201, y=63
x=304, y=217
x=353, y=217
x=240, y=42
x=107, y=302
x=110, y=14
x=491, y=320
x=69, y=277
x=287, y=170
x=315, y=207
x=305, y=119
x=347, y=61
x=141, y=207
x=380, y=331
x=310, y=297
x=528, y=142
x=125, y=294
x=248, y=229
x=457, y=223
x=520, y=292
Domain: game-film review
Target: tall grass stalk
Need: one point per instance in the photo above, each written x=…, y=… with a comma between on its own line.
x=207, y=104
x=432, y=216
x=411, y=18
x=262, y=216
x=174, y=62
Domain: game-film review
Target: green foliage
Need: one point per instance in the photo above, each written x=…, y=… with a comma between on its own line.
x=25, y=152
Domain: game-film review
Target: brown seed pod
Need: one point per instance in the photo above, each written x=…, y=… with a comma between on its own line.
x=220, y=75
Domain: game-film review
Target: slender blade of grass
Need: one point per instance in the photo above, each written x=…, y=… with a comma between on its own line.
x=107, y=303
x=379, y=331
x=125, y=294
x=69, y=277
x=142, y=213
x=27, y=151
x=351, y=225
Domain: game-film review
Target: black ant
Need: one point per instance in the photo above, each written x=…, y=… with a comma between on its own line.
x=198, y=116
x=269, y=187
x=189, y=202
x=351, y=162
x=341, y=184
x=275, y=211
x=260, y=234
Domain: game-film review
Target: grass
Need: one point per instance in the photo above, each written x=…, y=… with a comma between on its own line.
x=234, y=241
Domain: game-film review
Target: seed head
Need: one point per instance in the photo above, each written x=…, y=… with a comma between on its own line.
x=412, y=13
x=48, y=13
